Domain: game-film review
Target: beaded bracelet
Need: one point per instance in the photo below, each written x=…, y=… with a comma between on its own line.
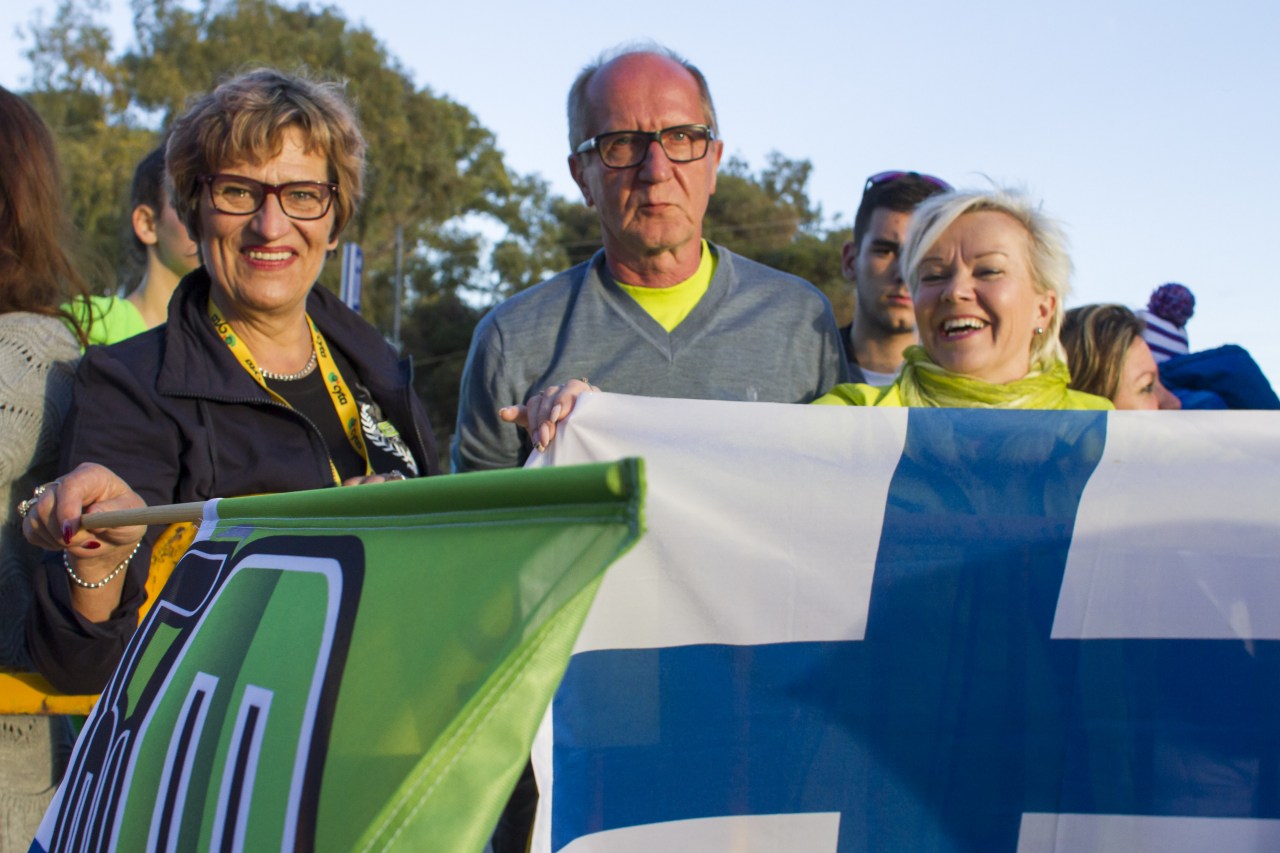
x=81, y=582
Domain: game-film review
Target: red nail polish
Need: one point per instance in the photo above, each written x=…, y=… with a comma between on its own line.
x=91, y=544
x=66, y=533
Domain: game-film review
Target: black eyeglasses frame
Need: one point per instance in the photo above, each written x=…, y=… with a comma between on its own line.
x=653, y=136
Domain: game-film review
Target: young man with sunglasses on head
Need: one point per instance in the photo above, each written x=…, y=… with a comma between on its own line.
x=659, y=311
x=884, y=322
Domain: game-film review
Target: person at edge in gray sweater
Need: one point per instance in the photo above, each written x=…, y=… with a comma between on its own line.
x=659, y=311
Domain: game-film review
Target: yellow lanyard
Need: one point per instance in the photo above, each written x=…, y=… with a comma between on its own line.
x=344, y=402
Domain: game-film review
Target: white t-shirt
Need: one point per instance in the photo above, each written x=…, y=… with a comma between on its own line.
x=873, y=378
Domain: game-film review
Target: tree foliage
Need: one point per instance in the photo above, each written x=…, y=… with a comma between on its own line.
x=770, y=218
x=76, y=89
x=438, y=333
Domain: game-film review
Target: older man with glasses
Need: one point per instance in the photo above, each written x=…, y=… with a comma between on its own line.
x=659, y=311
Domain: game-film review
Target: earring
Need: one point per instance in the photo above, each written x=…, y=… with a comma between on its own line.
x=1039, y=330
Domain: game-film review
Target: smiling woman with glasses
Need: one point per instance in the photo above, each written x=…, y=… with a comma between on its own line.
x=259, y=382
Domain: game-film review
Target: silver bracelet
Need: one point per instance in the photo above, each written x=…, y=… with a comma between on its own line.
x=81, y=582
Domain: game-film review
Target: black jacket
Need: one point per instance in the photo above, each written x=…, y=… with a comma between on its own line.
x=176, y=417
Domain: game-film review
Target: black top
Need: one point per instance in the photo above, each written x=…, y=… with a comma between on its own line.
x=310, y=396
x=850, y=356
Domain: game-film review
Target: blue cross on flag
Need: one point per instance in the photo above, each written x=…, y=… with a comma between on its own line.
x=926, y=630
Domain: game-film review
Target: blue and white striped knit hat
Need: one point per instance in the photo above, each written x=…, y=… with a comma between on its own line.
x=1165, y=320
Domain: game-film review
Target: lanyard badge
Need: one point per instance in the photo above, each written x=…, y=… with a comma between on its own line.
x=344, y=402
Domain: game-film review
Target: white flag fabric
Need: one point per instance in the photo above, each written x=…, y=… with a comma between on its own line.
x=886, y=629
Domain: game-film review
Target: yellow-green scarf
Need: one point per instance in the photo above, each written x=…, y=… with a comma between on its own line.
x=923, y=382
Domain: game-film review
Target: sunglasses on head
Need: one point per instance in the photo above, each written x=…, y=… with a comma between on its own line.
x=885, y=177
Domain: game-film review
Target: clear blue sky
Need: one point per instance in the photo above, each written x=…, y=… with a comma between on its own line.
x=1150, y=129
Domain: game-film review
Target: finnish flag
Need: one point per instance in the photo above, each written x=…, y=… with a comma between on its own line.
x=938, y=630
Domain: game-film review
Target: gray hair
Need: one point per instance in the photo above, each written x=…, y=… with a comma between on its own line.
x=579, y=104
x=1050, y=259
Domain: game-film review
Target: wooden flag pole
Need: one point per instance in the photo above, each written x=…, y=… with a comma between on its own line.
x=171, y=514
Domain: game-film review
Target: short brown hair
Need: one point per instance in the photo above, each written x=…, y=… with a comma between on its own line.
x=245, y=119
x=1097, y=339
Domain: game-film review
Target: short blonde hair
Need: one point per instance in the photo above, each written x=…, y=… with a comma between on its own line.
x=1050, y=259
x=245, y=119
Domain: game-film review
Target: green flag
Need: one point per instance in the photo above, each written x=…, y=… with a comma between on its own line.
x=357, y=668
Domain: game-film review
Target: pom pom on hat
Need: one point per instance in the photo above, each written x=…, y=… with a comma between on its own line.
x=1165, y=319
x=1173, y=302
